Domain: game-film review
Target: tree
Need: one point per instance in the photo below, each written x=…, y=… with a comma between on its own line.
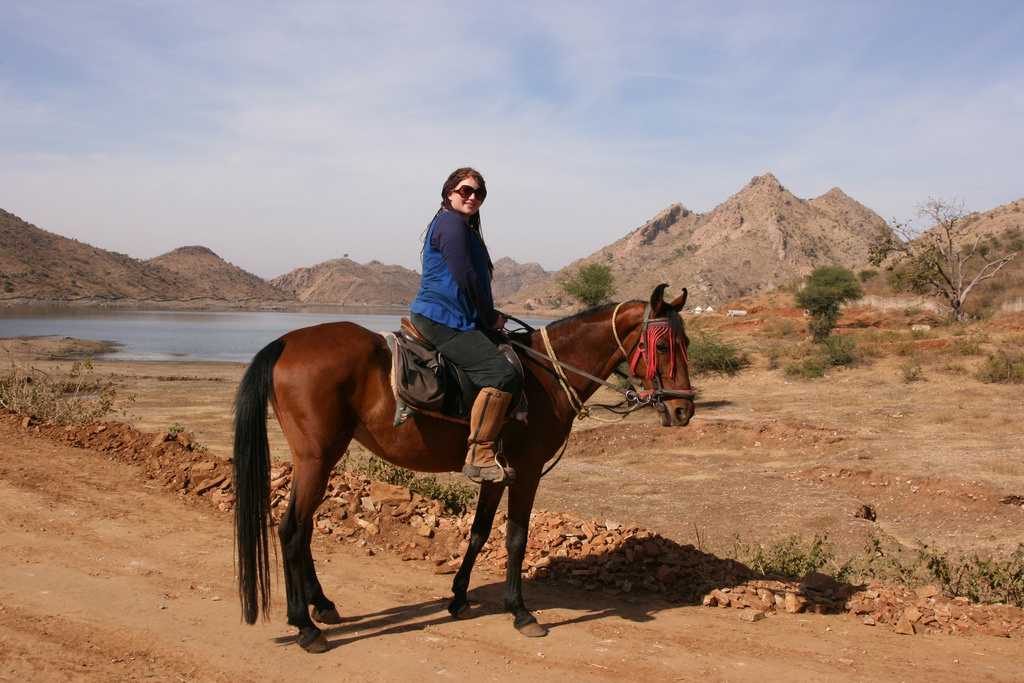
x=591, y=284
x=945, y=260
x=826, y=289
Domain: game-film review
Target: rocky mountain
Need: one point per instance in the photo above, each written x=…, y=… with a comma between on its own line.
x=211, y=276
x=1003, y=221
x=510, y=277
x=760, y=238
x=343, y=281
x=37, y=265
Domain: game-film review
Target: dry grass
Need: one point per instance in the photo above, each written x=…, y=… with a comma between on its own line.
x=77, y=396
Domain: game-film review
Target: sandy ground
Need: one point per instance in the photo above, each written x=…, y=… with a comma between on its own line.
x=106, y=579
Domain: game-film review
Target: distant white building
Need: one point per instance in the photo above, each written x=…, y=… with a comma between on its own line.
x=735, y=312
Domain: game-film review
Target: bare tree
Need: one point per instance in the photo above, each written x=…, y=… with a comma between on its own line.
x=945, y=260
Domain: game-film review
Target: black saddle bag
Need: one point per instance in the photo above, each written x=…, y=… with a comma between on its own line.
x=421, y=376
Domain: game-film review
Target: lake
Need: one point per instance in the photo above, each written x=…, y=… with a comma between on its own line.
x=180, y=335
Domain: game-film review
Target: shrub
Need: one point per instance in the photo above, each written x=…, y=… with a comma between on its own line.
x=591, y=284
x=1003, y=367
x=827, y=288
x=790, y=557
x=781, y=329
x=867, y=274
x=840, y=350
x=811, y=367
x=911, y=371
x=709, y=353
x=967, y=346
x=75, y=397
x=455, y=495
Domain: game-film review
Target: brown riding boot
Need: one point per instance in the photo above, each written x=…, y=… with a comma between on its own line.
x=485, y=423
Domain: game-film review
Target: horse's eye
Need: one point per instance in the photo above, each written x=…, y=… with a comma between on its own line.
x=662, y=346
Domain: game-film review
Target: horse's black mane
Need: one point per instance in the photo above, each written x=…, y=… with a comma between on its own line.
x=590, y=311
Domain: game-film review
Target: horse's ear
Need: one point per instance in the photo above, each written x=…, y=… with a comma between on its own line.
x=679, y=301
x=658, y=300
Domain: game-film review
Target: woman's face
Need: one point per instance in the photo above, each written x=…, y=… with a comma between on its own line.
x=466, y=197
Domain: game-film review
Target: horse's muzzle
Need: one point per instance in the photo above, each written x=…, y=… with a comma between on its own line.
x=675, y=413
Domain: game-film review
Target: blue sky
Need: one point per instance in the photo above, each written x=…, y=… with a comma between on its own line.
x=284, y=134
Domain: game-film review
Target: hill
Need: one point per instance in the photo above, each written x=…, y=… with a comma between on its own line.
x=760, y=238
x=40, y=266
x=510, y=277
x=212, y=277
x=37, y=265
x=343, y=281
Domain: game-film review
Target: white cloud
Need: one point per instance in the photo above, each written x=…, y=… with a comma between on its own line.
x=282, y=135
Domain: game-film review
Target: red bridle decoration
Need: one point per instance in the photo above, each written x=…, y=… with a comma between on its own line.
x=647, y=348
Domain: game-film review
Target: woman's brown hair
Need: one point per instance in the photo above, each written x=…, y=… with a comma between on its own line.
x=456, y=177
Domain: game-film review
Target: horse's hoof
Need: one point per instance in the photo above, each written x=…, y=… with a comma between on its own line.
x=458, y=609
x=313, y=641
x=532, y=630
x=327, y=616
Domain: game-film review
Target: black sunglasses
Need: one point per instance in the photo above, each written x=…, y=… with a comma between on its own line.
x=467, y=191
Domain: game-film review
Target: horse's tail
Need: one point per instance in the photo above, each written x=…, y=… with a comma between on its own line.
x=252, y=481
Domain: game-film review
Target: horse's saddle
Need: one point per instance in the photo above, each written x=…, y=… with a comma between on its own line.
x=425, y=381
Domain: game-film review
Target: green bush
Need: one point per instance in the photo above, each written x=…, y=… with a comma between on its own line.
x=840, y=350
x=827, y=288
x=867, y=274
x=1003, y=367
x=811, y=367
x=709, y=353
x=591, y=284
x=456, y=496
x=790, y=557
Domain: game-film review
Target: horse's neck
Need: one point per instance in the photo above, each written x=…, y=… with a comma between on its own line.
x=589, y=346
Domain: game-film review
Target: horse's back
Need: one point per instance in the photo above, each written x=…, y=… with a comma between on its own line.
x=331, y=352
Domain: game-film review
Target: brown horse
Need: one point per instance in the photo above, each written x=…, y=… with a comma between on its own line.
x=330, y=384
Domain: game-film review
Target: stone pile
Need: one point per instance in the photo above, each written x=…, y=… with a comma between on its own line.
x=591, y=555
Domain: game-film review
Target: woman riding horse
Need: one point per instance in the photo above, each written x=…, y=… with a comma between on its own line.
x=330, y=384
x=454, y=310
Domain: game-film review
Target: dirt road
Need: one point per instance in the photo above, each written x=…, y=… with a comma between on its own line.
x=105, y=578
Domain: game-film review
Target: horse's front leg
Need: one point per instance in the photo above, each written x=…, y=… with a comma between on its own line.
x=520, y=505
x=486, y=506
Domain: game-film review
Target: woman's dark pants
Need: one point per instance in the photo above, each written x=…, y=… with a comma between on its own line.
x=473, y=352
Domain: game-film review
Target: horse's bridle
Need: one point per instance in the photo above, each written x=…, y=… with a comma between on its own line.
x=653, y=330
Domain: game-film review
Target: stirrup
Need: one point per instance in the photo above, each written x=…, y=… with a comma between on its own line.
x=498, y=473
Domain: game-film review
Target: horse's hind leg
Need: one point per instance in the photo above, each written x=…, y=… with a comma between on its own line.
x=486, y=506
x=311, y=470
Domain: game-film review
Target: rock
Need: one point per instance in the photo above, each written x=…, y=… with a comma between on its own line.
x=912, y=614
x=868, y=620
x=367, y=504
x=184, y=439
x=751, y=615
x=389, y=493
x=866, y=512
x=904, y=626
x=929, y=591
x=709, y=601
x=159, y=439
x=795, y=603
x=26, y=422
x=425, y=531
